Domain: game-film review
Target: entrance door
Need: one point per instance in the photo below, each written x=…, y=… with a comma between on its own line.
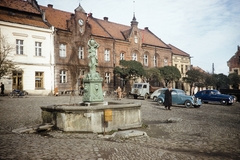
x=17, y=80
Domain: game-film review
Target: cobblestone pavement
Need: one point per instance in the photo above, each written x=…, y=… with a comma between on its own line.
x=205, y=133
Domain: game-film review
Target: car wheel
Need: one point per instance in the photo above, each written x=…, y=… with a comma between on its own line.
x=135, y=97
x=223, y=102
x=154, y=98
x=160, y=101
x=188, y=104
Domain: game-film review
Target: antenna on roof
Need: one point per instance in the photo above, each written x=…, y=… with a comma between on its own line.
x=133, y=7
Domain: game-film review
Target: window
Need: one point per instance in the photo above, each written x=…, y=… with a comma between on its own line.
x=39, y=79
x=165, y=62
x=107, y=55
x=181, y=68
x=81, y=53
x=186, y=68
x=19, y=46
x=155, y=61
x=145, y=59
x=107, y=77
x=63, y=76
x=135, y=37
x=62, y=50
x=38, y=49
x=134, y=57
x=121, y=56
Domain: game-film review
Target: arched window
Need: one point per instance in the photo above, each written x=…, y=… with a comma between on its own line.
x=134, y=56
x=121, y=56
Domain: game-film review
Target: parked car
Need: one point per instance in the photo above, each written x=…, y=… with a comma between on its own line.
x=179, y=97
x=155, y=94
x=215, y=96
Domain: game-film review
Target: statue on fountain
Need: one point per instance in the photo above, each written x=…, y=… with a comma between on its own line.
x=93, y=81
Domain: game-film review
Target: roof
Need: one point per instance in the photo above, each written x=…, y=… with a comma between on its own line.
x=198, y=68
x=21, y=12
x=19, y=5
x=56, y=18
x=100, y=27
x=178, y=51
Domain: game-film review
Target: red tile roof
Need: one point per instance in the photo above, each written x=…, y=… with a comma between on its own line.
x=178, y=51
x=21, y=12
x=56, y=18
x=20, y=5
x=103, y=28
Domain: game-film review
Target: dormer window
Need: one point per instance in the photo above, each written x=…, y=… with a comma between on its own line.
x=135, y=37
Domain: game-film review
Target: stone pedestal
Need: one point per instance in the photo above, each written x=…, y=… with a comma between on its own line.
x=92, y=88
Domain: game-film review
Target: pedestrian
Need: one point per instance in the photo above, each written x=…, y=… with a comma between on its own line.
x=168, y=98
x=2, y=89
x=119, y=92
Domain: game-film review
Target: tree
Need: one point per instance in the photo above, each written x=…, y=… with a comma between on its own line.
x=234, y=80
x=193, y=77
x=129, y=70
x=170, y=74
x=210, y=80
x=222, y=81
x=6, y=64
x=153, y=74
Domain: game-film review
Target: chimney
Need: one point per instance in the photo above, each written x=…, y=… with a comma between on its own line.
x=90, y=15
x=105, y=18
x=50, y=5
x=44, y=15
x=238, y=48
x=146, y=28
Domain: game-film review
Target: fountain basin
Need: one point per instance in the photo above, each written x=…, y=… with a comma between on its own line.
x=86, y=117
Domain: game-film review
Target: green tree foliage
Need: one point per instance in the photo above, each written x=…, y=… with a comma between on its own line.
x=6, y=64
x=222, y=81
x=129, y=70
x=234, y=80
x=209, y=80
x=153, y=74
x=170, y=74
x=193, y=77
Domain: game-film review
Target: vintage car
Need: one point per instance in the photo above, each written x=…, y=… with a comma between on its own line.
x=155, y=94
x=214, y=96
x=179, y=97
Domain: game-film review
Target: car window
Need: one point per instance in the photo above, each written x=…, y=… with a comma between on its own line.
x=174, y=92
x=145, y=86
x=181, y=93
x=139, y=86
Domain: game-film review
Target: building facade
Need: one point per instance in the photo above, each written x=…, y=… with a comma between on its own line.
x=22, y=25
x=117, y=42
x=182, y=61
x=234, y=62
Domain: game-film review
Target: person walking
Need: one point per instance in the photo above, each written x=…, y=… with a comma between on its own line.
x=119, y=92
x=2, y=89
x=168, y=98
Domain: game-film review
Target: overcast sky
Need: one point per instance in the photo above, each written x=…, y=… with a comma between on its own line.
x=208, y=30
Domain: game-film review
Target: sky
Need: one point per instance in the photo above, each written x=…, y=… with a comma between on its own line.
x=208, y=30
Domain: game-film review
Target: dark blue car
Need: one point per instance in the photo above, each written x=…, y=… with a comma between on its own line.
x=214, y=96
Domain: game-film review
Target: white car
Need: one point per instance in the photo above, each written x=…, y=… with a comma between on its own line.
x=155, y=94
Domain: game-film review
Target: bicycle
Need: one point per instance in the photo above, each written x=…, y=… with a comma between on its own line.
x=17, y=93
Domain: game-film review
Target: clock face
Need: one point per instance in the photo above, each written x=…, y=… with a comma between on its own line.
x=80, y=21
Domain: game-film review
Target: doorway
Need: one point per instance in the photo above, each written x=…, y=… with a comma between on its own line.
x=17, y=80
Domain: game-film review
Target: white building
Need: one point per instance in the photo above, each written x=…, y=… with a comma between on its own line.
x=34, y=51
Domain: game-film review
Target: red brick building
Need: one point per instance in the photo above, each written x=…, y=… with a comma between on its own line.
x=234, y=62
x=117, y=42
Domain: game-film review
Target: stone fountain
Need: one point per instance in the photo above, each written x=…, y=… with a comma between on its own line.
x=93, y=114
